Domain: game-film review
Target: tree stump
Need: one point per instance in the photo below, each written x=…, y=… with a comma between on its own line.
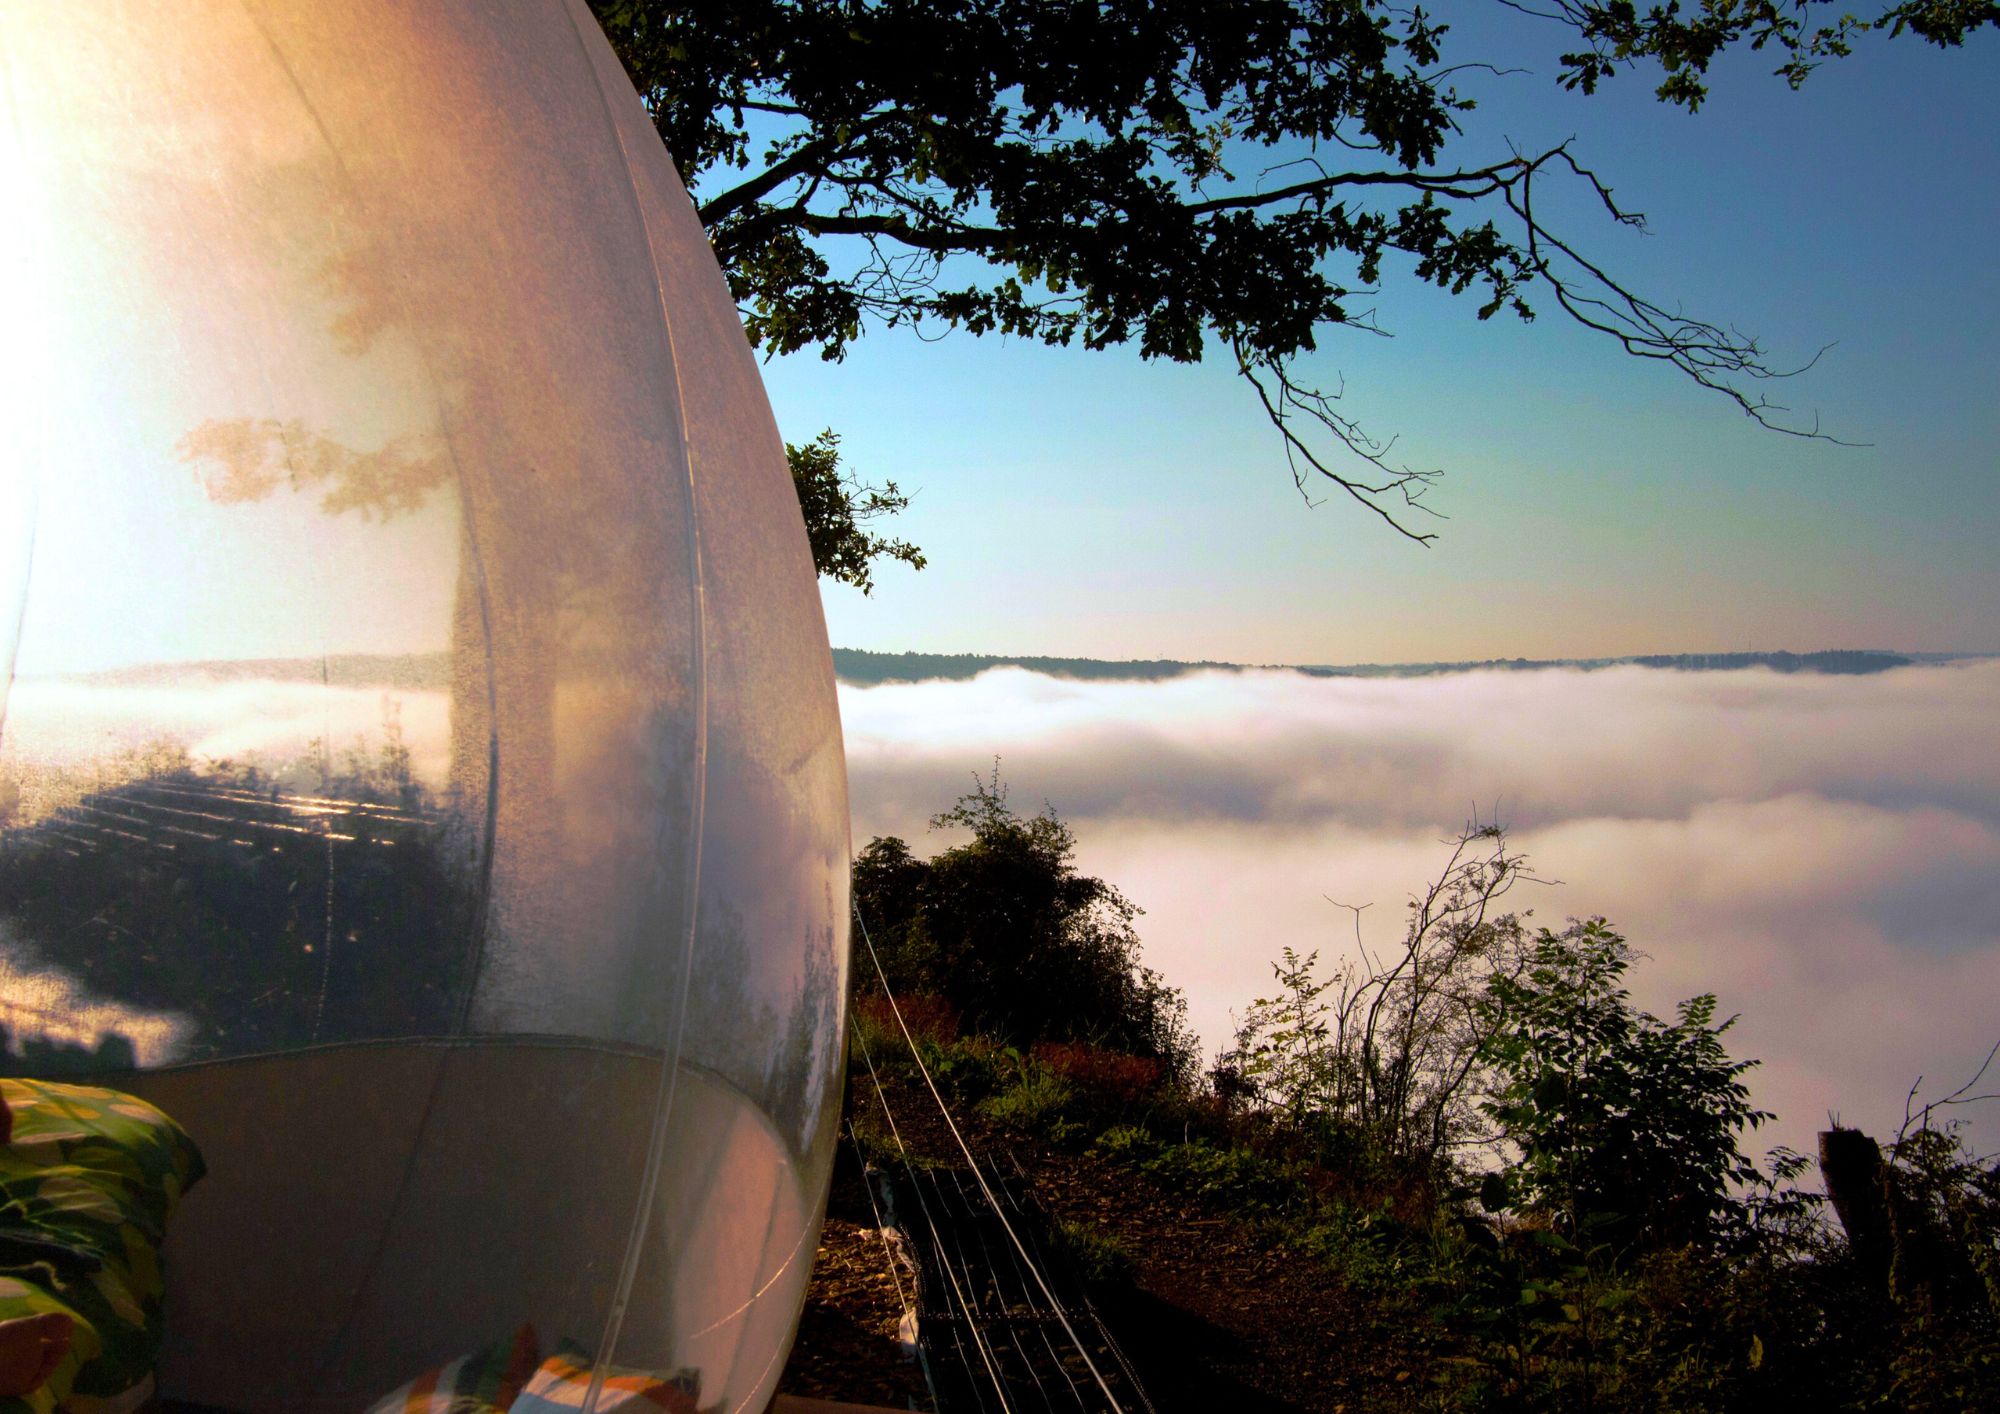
x=1851, y=1165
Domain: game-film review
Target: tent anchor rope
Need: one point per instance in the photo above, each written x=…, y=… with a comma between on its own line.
x=978, y=1174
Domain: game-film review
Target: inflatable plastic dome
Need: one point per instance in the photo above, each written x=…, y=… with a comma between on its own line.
x=420, y=775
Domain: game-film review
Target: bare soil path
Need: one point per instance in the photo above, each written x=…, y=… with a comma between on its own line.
x=1215, y=1318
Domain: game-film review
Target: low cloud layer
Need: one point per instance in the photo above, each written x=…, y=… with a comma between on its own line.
x=53, y=722
x=1822, y=852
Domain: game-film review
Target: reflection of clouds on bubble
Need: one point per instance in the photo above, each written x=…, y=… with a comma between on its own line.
x=58, y=722
x=1823, y=852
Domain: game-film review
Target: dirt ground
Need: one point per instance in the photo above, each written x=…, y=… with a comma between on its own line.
x=1214, y=1319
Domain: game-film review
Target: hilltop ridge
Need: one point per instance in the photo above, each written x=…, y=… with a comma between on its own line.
x=862, y=667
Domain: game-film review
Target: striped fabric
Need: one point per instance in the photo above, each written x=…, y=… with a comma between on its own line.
x=564, y=1379
x=484, y=1382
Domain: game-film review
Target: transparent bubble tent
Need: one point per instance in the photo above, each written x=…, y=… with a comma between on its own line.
x=420, y=773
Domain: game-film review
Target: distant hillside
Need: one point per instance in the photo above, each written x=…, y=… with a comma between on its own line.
x=857, y=665
x=863, y=668
x=1836, y=660
x=410, y=671
x=419, y=671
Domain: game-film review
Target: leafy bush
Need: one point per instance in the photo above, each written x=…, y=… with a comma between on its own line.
x=1006, y=931
x=1624, y=1124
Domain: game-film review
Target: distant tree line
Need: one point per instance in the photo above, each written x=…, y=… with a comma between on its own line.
x=861, y=666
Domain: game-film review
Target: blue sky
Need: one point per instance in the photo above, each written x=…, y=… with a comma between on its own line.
x=1094, y=504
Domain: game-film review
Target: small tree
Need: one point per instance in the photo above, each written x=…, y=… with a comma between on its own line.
x=1625, y=1125
x=1006, y=930
x=1285, y=1050
x=1387, y=1050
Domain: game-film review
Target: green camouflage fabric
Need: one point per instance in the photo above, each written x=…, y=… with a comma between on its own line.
x=86, y=1187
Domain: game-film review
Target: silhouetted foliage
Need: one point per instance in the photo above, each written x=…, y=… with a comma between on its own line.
x=1013, y=938
x=1625, y=1127
x=43, y=1056
x=1181, y=175
x=1684, y=39
x=1629, y=1259
x=1943, y=1295
x=836, y=506
x=1382, y=1056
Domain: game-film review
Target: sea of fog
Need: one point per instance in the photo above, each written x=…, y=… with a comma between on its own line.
x=1823, y=852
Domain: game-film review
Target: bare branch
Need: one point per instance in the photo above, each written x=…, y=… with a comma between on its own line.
x=1283, y=400
x=818, y=155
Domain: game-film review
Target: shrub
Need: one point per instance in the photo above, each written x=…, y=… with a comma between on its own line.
x=1110, y=1078
x=1625, y=1125
x=1021, y=945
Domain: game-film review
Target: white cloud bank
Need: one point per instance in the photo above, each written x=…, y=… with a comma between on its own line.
x=1822, y=852
x=58, y=722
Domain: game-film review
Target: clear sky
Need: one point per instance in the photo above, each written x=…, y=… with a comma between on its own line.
x=1092, y=504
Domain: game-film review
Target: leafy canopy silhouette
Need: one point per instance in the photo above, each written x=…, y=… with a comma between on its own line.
x=1013, y=938
x=1183, y=175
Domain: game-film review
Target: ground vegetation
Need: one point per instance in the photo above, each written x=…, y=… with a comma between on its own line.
x=1288, y=1231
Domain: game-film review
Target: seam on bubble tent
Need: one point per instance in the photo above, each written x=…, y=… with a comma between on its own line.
x=663, y=1114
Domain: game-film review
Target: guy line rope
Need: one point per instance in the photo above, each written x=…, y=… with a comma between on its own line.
x=953, y=1293
x=979, y=1174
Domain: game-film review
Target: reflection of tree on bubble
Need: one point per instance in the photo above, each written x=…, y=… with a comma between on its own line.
x=43, y=1055
x=205, y=890
x=561, y=653
x=394, y=286
x=573, y=658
